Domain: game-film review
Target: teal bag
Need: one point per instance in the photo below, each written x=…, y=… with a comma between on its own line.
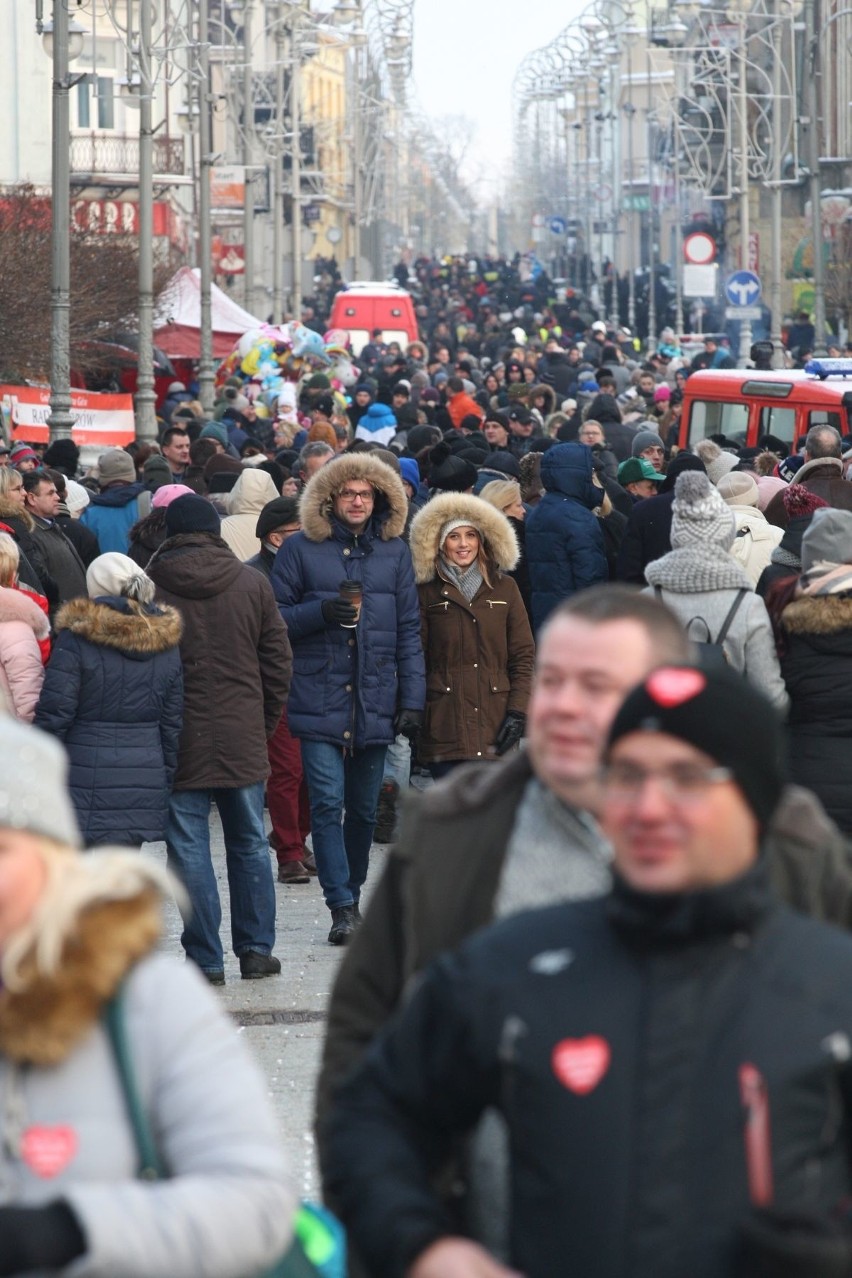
x=318, y=1249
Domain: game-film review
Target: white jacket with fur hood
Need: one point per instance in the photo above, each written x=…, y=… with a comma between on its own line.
x=253, y=489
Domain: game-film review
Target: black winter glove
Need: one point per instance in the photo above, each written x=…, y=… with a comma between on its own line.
x=511, y=731
x=407, y=723
x=32, y=1238
x=339, y=612
x=779, y=1244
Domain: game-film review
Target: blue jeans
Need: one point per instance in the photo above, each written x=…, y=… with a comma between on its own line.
x=249, y=872
x=339, y=784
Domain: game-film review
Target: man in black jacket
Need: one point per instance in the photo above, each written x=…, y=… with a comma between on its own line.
x=672, y=1060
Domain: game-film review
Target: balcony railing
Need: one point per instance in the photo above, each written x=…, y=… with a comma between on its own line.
x=98, y=155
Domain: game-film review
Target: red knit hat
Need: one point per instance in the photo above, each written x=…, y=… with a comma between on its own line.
x=800, y=502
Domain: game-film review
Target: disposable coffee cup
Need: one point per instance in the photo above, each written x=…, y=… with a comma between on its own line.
x=352, y=592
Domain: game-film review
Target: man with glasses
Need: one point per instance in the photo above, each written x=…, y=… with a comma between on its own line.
x=358, y=677
x=673, y=1060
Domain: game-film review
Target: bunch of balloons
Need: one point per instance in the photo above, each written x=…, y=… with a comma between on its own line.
x=270, y=357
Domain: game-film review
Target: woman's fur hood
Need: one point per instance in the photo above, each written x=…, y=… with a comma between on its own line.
x=818, y=615
x=501, y=547
x=390, y=510
x=133, y=629
x=42, y=1023
x=11, y=509
x=16, y=606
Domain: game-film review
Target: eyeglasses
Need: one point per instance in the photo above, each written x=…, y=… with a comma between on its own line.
x=682, y=783
x=351, y=494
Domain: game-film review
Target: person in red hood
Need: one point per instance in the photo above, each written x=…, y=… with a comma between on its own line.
x=460, y=404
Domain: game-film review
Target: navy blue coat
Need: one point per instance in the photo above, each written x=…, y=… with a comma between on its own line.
x=348, y=684
x=564, y=542
x=113, y=693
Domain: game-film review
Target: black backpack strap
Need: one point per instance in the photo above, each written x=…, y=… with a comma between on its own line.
x=734, y=609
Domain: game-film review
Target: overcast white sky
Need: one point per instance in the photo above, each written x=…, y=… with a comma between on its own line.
x=466, y=53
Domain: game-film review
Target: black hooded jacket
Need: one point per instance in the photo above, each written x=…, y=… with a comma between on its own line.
x=627, y=1041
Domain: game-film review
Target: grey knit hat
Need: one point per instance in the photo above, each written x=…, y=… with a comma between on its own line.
x=715, y=461
x=116, y=467
x=738, y=489
x=699, y=515
x=646, y=439
x=33, y=784
x=827, y=539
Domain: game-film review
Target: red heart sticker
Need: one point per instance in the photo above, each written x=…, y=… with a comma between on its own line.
x=671, y=687
x=580, y=1063
x=48, y=1150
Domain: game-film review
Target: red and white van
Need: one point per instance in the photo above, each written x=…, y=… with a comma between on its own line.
x=363, y=307
x=744, y=405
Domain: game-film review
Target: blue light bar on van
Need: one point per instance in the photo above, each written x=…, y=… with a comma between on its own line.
x=823, y=368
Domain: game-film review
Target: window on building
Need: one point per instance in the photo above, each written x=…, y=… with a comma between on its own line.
x=96, y=102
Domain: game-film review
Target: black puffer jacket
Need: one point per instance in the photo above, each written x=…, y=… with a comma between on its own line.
x=816, y=665
x=616, y=1037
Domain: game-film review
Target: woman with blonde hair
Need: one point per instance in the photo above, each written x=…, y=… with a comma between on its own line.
x=475, y=632
x=113, y=693
x=94, y=1025
x=505, y=496
x=16, y=520
x=24, y=635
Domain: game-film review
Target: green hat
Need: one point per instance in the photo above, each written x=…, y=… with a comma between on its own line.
x=636, y=468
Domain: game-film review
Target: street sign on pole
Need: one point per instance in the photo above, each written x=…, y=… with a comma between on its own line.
x=557, y=225
x=700, y=281
x=743, y=288
x=743, y=312
x=699, y=248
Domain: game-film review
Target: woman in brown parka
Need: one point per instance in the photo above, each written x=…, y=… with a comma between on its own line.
x=476, y=636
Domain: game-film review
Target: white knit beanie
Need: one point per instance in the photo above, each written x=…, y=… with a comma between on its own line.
x=699, y=515
x=738, y=489
x=114, y=575
x=716, y=463
x=451, y=524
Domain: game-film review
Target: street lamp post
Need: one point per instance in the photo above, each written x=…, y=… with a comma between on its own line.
x=248, y=161
x=812, y=44
x=205, y=162
x=296, y=170
x=146, y=421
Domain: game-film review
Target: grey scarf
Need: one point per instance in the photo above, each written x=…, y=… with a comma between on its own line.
x=466, y=580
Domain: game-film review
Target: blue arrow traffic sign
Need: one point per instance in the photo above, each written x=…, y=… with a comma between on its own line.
x=557, y=225
x=742, y=288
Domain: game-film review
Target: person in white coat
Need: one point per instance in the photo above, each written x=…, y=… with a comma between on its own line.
x=253, y=489
x=755, y=537
x=74, y=931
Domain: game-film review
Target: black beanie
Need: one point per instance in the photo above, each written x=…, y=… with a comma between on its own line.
x=191, y=515
x=449, y=472
x=719, y=713
x=677, y=466
x=275, y=514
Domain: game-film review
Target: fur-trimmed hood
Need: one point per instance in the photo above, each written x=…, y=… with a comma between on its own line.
x=16, y=606
x=498, y=536
x=133, y=628
x=389, y=513
x=11, y=509
x=43, y=1022
x=819, y=615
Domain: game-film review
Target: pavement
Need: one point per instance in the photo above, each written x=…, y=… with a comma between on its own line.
x=282, y=1018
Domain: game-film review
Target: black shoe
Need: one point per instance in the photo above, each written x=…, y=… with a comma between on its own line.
x=344, y=920
x=386, y=812
x=215, y=977
x=253, y=966
x=357, y=911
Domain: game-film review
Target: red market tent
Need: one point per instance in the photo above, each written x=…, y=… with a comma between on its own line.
x=178, y=318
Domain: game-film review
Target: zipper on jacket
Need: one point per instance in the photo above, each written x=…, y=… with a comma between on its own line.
x=493, y=603
x=445, y=605
x=754, y=1096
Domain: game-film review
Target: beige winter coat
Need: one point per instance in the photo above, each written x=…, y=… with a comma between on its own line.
x=247, y=498
x=755, y=541
x=22, y=624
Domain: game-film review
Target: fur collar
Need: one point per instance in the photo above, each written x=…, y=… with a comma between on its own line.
x=16, y=606
x=819, y=463
x=138, y=630
x=391, y=508
x=819, y=615
x=501, y=547
x=44, y=1022
x=10, y=509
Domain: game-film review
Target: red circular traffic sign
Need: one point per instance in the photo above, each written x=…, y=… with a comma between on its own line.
x=699, y=248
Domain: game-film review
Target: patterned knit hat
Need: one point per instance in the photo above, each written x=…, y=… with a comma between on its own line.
x=699, y=515
x=716, y=462
x=799, y=501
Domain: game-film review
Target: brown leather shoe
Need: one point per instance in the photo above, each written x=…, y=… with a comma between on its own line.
x=308, y=860
x=293, y=872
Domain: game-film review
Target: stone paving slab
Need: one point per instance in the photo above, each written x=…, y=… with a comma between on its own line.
x=287, y=1049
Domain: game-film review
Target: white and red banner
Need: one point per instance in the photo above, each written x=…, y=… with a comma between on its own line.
x=101, y=420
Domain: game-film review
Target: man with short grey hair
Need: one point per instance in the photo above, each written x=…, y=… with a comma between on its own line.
x=312, y=457
x=822, y=474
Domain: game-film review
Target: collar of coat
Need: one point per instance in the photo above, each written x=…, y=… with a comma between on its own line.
x=810, y=468
x=391, y=507
x=655, y=919
x=818, y=615
x=43, y=1023
x=123, y=624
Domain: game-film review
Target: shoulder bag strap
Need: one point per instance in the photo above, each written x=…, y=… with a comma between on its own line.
x=726, y=624
x=150, y=1166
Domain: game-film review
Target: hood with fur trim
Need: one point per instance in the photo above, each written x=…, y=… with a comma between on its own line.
x=391, y=508
x=17, y=606
x=42, y=1023
x=500, y=545
x=820, y=615
x=11, y=509
x=134, y=629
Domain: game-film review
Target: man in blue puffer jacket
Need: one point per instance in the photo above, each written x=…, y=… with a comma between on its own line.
x=358, y=670
x=564, y=540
